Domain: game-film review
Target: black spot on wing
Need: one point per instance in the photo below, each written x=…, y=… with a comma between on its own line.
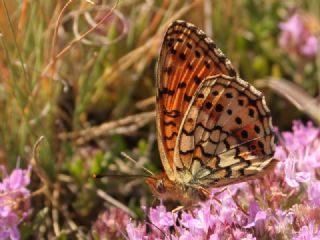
x=187, y=98
x=197, y=80
x=166, y=91
x=197, y=54
x=182, y=85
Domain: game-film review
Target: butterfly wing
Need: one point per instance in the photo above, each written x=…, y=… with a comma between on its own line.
x=226, y=135
x=187, y=57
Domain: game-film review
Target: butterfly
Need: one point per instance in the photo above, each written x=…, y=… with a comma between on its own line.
x=213, y=128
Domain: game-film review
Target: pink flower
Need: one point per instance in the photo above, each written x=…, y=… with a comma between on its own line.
x=161, y=218
x=308, y=232
x=214, y=237
x=314, y=193
x=249, y=236
x=14, y=201
x=111, y=224
x=302, y=155
x=301, y=136
x=296, y=37
x=292, y=29
x=257, y=218
x=293, y=178
x=136, y=233
x=304, y=214
x=310, y=48
x=283, y=219
x=198, y=222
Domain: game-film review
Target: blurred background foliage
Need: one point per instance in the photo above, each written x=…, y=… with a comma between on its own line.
x=91, y=94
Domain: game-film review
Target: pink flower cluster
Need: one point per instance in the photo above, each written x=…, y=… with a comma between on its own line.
x=297, y=38
x=283, y=205
x=111, y=224
x=14, y=201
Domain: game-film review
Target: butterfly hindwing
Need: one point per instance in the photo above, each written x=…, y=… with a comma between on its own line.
x=226, y=133
x=187, y=57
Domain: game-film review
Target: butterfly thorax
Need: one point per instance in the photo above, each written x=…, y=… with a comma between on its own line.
x=186, y=193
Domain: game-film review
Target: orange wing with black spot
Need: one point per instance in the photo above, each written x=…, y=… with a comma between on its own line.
x=187, y=57
x=226, y=135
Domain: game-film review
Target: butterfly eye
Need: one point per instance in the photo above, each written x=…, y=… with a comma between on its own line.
x=160, y=186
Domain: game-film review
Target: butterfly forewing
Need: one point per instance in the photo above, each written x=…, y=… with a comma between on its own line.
x=187, y=57
x=226, y=134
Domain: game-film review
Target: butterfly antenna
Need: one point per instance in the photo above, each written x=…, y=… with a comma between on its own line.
x=132, y=160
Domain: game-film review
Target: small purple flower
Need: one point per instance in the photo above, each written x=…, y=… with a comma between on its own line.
x=310, y=48
x=111, y=224
x=308, y=232
x=296, y=37
x=292, y=29
x=200, y=220
x=248, y=236
x=257, y=218
x=314, y=193
x=136, y=232
x=161, y=218
x=302, y=155
x=282, y=220
x=293, y=178
x=303, y=214
x=187, y=235
x=214, y=237
x=14, y=201
x=301, y=136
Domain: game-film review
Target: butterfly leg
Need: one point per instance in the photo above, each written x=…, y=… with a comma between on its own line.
x=237, y=203
x=203, y=193
x=215, y=195
x=184, y=208
x=177, y=209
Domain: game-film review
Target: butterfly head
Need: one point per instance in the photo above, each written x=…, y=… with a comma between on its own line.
x=163, y=188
